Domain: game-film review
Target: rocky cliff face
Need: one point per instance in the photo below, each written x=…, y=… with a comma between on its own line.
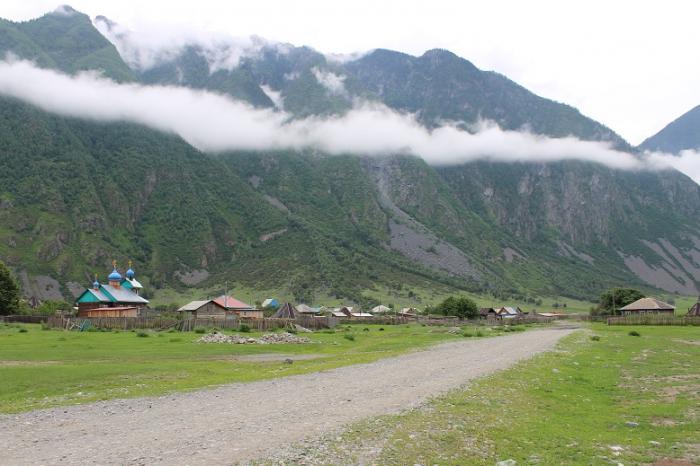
x=75, y=194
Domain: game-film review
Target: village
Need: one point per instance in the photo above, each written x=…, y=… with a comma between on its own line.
x=121, y=297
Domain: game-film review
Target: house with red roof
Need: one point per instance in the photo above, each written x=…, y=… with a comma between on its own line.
x=225, y=306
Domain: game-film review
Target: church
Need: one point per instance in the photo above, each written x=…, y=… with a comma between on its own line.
x=119, y=297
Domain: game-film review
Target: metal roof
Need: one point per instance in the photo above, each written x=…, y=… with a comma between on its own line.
x=229, y=302
x=100, y=295
x=122, y=295
x=193, y=305
x=135, y=283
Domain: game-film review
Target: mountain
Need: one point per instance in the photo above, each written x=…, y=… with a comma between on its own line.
x=682, y=133
x=74, y=193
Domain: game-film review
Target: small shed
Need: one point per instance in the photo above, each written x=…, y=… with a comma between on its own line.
x=647, y=306
x=286, y=311
x=509, y=312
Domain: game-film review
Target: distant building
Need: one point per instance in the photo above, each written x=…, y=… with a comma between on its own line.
x=381, y=309
x=271, y=303
x=204, y=309
x=233, y=306
x=508, y=312
x=647, y=306
x=304, y=309
x=488, y=313
x=118, y=298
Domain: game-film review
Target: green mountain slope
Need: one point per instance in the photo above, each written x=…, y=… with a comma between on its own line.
x=682, y=133
x=75, y=194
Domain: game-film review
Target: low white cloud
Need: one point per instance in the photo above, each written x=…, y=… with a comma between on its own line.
x=214, y=123
x=334, y=83
x=153, y=44
x=274, y=96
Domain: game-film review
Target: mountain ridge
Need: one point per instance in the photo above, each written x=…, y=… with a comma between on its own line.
x=338, y=225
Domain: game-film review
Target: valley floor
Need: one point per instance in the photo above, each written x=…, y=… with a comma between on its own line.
x=614, y=398
x=242, y=422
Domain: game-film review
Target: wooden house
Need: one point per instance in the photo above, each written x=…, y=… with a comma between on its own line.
x=488, y=313
x=118, y=298
x=647, y=306
x=203, y=309
x=235, y=307
x=509, y=312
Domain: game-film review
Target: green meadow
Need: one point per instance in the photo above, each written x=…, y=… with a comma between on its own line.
x=43, y=368
x=611, y=399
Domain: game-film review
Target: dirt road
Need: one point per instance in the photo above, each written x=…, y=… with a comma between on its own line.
x=241, y=422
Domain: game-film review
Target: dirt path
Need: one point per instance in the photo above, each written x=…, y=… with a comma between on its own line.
x=241, y=422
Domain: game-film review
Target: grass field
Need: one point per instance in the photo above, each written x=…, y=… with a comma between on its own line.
x=42, y=368
x=619, y=400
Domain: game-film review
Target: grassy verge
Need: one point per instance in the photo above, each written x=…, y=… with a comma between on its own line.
x=619, y=400
x=43, y=368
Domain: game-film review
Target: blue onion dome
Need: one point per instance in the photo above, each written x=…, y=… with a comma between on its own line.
x=114, y=276
x=130, y=274
x=96, y=284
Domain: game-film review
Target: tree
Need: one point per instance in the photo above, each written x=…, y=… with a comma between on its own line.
x=615, y=298
x=9, y=292
x=459, y=306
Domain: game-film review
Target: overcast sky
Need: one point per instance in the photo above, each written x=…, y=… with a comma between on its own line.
x=632, y=65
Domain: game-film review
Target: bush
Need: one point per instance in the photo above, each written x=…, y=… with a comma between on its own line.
x=595, y=338
x=244, y=328
x=460, y=306
x=479, y=333
x=23, y=330
x=381, y=329
x=349, y=336
x=467, y=334
x=142, y=334
x=365, y=329
x=634, y=333
x=200, y=330
x=293, y=331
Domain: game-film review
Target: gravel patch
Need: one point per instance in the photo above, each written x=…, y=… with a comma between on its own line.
x=241, y=422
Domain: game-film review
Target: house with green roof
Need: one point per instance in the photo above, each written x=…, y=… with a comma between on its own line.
x=119, y=297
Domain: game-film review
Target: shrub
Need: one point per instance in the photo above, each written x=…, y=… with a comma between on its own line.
x=365, y=329
x=244, y=328
x=634, y=333
x=23, y=330
x=349, y=336
x=479, y=333
x=595, y=338
x=172, y=330
x=467, y=334
x=142, y=334
x=293, y=331
x=200, y=330
x=381, y=329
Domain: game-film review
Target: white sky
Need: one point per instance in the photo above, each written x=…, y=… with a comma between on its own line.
x=632, y=65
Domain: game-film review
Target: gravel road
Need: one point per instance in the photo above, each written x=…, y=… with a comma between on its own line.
x=242, y=422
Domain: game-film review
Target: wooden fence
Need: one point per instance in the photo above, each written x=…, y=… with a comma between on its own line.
x=654, y=319
x=164, y=323
x=24, y=319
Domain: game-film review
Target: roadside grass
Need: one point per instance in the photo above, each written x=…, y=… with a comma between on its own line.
x=43, y=368
x=616, y=400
